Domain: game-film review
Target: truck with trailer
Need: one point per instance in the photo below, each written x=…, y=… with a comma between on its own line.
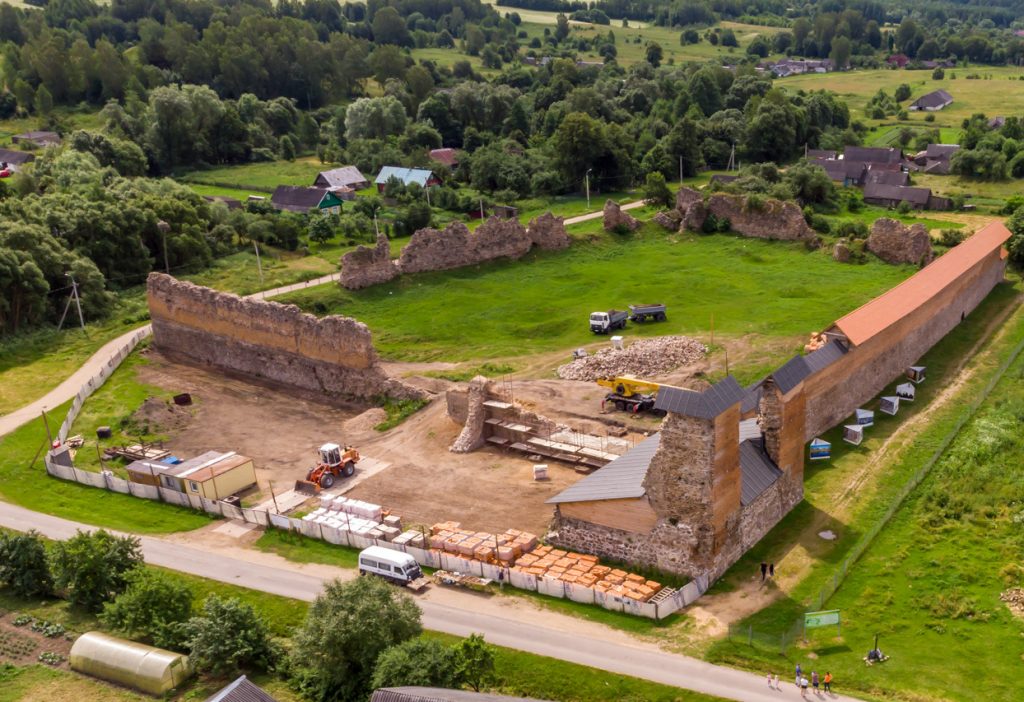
x=644, y=313
x=605, y=322
x=396, y=567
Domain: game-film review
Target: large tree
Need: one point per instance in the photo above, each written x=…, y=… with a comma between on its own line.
x=92, y=567
x=24, y=568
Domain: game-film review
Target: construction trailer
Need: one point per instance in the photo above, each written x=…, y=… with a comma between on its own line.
x=890, y=404
x=213, y=475
x=821, y=450
x=853, y=434
x=138, y=666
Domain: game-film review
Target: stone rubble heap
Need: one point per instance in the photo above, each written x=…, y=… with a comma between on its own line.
x=642, y=358
x=1014, y=599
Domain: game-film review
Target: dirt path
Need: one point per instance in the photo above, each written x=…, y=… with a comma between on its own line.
x=714, y=613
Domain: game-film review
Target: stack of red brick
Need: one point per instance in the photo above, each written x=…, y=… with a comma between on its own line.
x=586, y=571
x=483, y=546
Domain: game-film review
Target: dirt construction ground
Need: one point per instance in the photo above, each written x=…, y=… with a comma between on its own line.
x=422, y=481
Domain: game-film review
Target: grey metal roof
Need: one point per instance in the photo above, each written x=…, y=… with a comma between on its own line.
x=297, y=198
x=436, y=694
x=406, y=175
x=241, y=690
x=703, y=405
x=878, y=191
x=339, y=177
x=623, y=478
x=872, y=154
x=936, y=98
x=941, y=151
x=887, y=177
x=757, y=472
x=796, y=369
x=15, y=157
x=753, y=397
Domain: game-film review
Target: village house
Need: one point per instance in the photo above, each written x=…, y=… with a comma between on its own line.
x=449, y=158
x=346, y=177
x=936, y=158
x=39, y=139
x=893, y=195
x=932, y=102
x=296, y=198
x=406, y=176
x=14, y=161
x=795, y=67
x=213, y=475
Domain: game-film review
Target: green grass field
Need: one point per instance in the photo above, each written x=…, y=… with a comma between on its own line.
x=542, y=302
x=259, y=178
x=917, y=573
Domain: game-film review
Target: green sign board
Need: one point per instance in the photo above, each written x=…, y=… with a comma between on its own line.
x=828, y=617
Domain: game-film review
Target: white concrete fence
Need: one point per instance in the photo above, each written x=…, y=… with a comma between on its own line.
x=59, y=465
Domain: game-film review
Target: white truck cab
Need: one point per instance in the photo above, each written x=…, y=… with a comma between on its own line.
x=393, y=566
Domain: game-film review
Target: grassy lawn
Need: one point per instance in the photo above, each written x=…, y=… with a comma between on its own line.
x=933, y=608
x=239, y=272
x=261, y=178
x=542, y=303
x=870, y=213
x=211, y=190
x=27, y=484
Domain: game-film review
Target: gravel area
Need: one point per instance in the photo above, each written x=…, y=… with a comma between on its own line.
x=642, y=358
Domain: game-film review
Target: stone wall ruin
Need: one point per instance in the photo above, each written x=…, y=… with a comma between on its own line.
x=454, y=246
x=767, y=219
x=332, y=358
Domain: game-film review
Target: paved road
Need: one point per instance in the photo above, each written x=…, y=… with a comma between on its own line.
x=610, y=651
x=600, y=213
x=74, y=382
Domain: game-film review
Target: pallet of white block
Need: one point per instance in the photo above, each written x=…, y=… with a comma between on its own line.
x=350, y=516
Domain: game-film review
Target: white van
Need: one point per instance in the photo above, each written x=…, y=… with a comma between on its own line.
x=394, y=566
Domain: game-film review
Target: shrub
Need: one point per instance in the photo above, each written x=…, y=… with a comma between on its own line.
x=904, y=207
x=421, y=662
x=852, y=230
x=938, y=73
x=227, y=637
x=23, y=565
x=153, y=606
x=930, y=117
x=951, y=237
x=820, y=224
x=93, y=567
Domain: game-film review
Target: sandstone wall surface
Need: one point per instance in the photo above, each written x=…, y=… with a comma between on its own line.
x=333, y=356
x=366, y=266
x=774, y=219
x=896, y=243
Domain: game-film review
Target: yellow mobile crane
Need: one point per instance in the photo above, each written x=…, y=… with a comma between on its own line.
x=629, y=394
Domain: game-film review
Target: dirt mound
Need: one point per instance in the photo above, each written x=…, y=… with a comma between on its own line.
x=643, y=358
x=161, y=416
x=360, y=424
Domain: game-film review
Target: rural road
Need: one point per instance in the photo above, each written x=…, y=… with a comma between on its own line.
x=609, y=650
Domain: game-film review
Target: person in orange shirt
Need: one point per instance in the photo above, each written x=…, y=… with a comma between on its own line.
x=828, y=682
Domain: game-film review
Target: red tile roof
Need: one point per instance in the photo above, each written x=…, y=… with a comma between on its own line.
x=904, y=299
x=447, y=157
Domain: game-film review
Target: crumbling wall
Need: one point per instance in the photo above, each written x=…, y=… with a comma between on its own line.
x=896, y=243
x=366, y=266
x=332, y=357
x=452, y=247
x=769, y=219
x=615, y=219
x=472, y=435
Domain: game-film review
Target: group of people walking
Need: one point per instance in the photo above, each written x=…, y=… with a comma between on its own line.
x=817, y=682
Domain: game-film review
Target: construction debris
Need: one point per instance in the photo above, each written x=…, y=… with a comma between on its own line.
x=642, y=358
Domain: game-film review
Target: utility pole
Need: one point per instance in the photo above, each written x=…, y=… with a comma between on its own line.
x=427, y=191
x=164, y=227
x=375, y=227
x=680, y=170
x=274, y=497
x=259, y=264
x=49, y=436
x=732, y=160
x=481, y=209
x=78, y=304
x=586, y=179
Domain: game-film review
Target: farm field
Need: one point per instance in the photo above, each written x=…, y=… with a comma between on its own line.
x=506, y=309
x=259, y=177
x=932, y=607
x=993, y=95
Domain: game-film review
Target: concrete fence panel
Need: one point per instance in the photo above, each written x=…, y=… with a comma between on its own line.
x=579, y=593
x=359, y=541
x=231, y=512
x=646, y=609
x=334, y=535
x=494, y=572
x=280, y=521
x=211, y=506
x=149, y=492
x=612, y=602
x=255, y=516
x=295, y=524
x=311, y=529
x=59, y=471
x=550, y=586
x=116, y=484
x=89, y=478
x=195, y=501
x=524, y=581
x=173, y=496
x=424, y=556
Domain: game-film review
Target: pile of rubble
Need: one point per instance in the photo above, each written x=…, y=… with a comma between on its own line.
x=1014, y=599
x=482, y=546
x=643, y=358
x=586, y=571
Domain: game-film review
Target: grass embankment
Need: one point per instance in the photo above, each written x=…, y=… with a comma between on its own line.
x=27, y=484
x=930, y=583
x=542, y=303
x=517, y=673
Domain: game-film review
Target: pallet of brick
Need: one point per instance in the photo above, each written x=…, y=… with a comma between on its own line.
x=375, y=534
x=506, y=555
x=388, y=533
x=451, y=544
x=437, y=540
x=445, y=526
x=484, y=553
x=394, y=521
x=634, y=578
x=468, y=546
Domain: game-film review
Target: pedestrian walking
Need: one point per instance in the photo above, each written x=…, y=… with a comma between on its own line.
x=771, y=570
x=815, y=681
x=777, y=682
x=764, y=570
x=803, y=687
x=769, y=676
x=799, y=674
x=828, y=681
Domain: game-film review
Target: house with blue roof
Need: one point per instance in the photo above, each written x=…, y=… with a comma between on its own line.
x=406, y=176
